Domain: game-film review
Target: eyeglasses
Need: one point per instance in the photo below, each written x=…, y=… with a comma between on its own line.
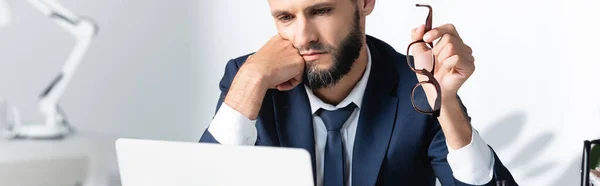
x=422, y=105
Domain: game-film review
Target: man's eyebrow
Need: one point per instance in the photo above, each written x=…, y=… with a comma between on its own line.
x=319, y=6
x=310, y=8
x=279, y=12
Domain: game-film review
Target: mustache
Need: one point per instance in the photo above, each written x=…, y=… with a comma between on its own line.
x=315, y=47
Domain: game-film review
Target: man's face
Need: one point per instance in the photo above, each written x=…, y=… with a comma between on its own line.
x=327, y=33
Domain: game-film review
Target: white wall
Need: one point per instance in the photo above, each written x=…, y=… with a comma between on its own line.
x=229, y=29
x=138, y=79
x=533, y=96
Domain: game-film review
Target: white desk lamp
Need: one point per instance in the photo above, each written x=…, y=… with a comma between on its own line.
x=4, y=14
x=84, y=30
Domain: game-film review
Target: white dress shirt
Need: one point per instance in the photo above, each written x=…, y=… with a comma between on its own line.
x=471, y=164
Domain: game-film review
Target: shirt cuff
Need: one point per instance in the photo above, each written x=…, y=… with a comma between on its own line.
x=230, y=127
x=472, y=164
x=594, y=179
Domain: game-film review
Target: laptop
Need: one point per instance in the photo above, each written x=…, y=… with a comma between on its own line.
x=154, y=163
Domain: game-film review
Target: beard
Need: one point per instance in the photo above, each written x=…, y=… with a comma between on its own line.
x=343, y=56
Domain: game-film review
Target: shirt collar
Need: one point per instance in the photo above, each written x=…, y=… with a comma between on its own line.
x=355, y=96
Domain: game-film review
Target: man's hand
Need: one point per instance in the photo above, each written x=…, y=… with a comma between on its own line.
x=276, y=65
x=454, y=64
x=453, y=60
x=595, y=176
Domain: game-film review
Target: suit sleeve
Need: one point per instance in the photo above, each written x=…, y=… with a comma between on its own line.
x=474, y=164
x=229, y=126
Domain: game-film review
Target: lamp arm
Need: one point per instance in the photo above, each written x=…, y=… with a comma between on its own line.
x=83, y=30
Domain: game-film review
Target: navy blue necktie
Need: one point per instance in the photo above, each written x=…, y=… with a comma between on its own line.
x=334, y=150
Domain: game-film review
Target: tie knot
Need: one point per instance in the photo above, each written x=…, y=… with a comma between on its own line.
x=335, y=119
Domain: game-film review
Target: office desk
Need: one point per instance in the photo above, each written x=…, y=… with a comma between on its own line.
x=99, y=150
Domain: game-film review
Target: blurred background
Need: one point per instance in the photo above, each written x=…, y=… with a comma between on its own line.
x=153, y=71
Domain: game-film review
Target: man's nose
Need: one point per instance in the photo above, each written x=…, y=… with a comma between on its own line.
x=305, y=34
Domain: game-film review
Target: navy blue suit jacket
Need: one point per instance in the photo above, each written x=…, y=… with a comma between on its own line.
x=394, y=144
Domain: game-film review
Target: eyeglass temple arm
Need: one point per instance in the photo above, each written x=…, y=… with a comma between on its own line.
x=428, y=21
x=428, y=26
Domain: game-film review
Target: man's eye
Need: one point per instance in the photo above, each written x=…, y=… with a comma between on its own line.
x=285, y=18
x=323, y=11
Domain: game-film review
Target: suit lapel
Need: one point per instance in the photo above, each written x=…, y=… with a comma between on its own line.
x=376, y=120
x=294, y=122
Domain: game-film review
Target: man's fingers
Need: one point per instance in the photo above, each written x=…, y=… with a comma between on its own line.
x=447, y=51
x=278, y=37
x=443, y=43
x=451, y=49
x=595, y=172
x=469, y=50
x=438, y=32
x=297, y=80
x=417, y=33
x=450, y=45
x=291, y=84
x=450, y=62
x=456, y=61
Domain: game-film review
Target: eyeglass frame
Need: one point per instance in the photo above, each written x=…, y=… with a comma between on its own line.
x=431, y=79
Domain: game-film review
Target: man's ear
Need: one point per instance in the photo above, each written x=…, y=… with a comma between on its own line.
x=366, y=6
